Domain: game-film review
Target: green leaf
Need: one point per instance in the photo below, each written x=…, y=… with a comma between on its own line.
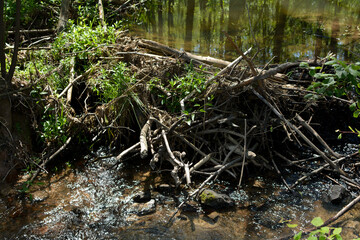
x=292, y=225
x=304, y=65
x=317, y=222
x=337, y=231
x=338, y=237
x=340, y=136
x=298, y=236
x=356, y=114
x=353, y=106
x=312, y=238
x=325, y=230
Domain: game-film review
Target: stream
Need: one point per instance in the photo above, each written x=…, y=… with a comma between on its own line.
x=286, y=29
x=94, y=199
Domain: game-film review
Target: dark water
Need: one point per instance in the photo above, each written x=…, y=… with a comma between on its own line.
x=95, y=201
x=285, y=29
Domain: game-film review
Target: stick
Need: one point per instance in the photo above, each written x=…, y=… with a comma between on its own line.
x=321, y=153
x=143, y=139
x=33, y=31
x=227, y=68
x=269, y=73
x=51, y=158
x=126, y=151
x=75, y=80
x=320, y=169
x=244, y=157
x=101, y=14
x=72, y=76
x=318, y=137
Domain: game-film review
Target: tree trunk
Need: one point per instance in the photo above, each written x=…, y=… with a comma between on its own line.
x=64, y=15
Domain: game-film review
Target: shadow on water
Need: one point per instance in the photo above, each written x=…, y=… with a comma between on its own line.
x=95, y=201
x=287, y=29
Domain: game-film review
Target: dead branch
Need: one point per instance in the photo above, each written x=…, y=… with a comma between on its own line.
x=318, y=137
x=143, y=139
x=321, y=153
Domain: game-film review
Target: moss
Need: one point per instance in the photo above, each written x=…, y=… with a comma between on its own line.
x=206, y=197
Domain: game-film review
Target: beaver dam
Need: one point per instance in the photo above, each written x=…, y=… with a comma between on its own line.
x=122, y=137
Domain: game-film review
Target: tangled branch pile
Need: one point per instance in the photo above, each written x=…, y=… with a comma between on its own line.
x=198, y=116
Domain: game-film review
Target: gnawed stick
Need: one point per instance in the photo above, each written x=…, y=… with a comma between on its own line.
x=72, y=77
x=269, y=73
x=50, y=158
x=227, y=68
x=75, y=80
x=194, y=193
x=320, y=169
x=143, y=139
x=127, y=151
x=318, y=137
x=244, y=157
x=321, y=153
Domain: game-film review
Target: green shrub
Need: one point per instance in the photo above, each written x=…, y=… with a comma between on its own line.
x=179, y=87
x=113, y=83
x=345, y=81
x=83, y=41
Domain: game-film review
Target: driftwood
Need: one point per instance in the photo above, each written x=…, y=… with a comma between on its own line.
x=33, y=31
x=188, y=57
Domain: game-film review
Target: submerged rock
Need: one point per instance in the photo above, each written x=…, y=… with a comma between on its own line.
x=142, y=209
x=39, y=196
x=215, y=200
x=335, y=194
x=165, y=189
x=142, y=197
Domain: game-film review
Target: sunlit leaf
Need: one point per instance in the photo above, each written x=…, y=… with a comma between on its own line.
x=317, y=222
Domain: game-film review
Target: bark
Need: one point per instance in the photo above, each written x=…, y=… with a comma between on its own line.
x=64, y=15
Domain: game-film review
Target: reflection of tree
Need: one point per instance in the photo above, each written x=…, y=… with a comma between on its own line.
x=160, y=17
x=280, y=21
x=319, y=31
x=205, y=25
x=335, y=29
x=170, y=19
x=190, y=9
x=236, y=10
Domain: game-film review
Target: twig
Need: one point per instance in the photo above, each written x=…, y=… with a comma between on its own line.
x=51, y=158
x=244, y=157
x=143, y=139
x=75, y=80
x=321, y=153
x=321, y=168
x=318, y=137
x=227, y=68
x=72, y=76
x=126, y=151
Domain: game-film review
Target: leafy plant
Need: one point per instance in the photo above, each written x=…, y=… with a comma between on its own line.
x=178, y=87
x=345, y=81
x=113, y=83
x=54, y=126
x=322, y=233
x=83, y=40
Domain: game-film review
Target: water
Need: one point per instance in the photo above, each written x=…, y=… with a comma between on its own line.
x=286, y=29
x=94, y=200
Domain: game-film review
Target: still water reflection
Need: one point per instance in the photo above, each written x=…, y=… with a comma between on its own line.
x=287, y=29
